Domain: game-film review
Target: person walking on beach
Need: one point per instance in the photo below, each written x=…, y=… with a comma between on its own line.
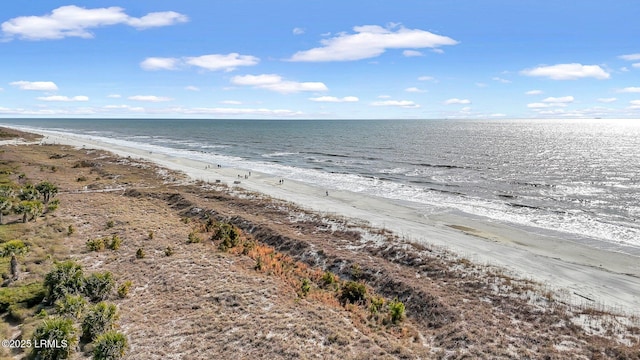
x=327, y=192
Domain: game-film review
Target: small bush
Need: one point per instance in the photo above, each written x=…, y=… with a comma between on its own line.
x=98, y=286
x=140, y=254
x=19, y=312
x=169, y=251
x=100, y=318
x=329, y=278
x=95, y=244
x=150, y=235
x=70, y=230
x=193, y=238
x=58, y=331
x=305, y=287
x=353, y=292
x=110, y=224
x=81, y=178
x=65, y=278
x=110, y=346
x=123, y=290
x=248, y=246
x=228, y=234
x=376, y=305
x=115, y=242
x=72, y=306
x=396, y=311
x=17, y=247
x=356, y=272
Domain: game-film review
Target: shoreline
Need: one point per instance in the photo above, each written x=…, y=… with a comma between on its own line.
x=578, y=272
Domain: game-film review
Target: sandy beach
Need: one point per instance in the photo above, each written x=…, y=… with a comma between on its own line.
x=579, y=274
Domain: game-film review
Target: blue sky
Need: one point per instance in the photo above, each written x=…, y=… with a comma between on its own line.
x=320, y=59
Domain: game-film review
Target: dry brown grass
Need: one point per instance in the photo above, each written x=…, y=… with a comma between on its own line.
x=201, y=303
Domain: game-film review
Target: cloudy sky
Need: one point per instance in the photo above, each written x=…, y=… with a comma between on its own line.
x=320, y=59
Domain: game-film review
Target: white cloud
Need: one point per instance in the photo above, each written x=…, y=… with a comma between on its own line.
x=630, y=57
x=231, y=102
x=629, y=90
x=457, y=101
x=427, y=78
x=35, y=85
x=538, y=105
x=534, y=92
x=412, y=53
x=636, y=65
x=481, y=85
x=384, y=97
x=371, y=41
x=438, y=51
x=607, y=100
x=222, y=62
x=298, y=31
x=414, y=90
x=567, y=72
x=498, y=115
x=114, y=96
x=213, y=62
x=156, y=63
x=400, y=103
x=63, y=98
x=192, y=88
x=149, y=98
x=635, y=104
x=275, y=82
x=499, y=79
x=335, y=99
x=74, y=21
x=558, y=100
x=157, y=19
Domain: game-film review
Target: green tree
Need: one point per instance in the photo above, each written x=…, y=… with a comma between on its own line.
x=47, y=190
x=100, y=319
x=65, y=279
x=59, y=336
x=28, y=193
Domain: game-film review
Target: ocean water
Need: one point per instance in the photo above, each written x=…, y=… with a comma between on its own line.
x=578, y=179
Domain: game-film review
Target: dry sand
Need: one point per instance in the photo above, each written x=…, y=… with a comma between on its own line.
x=580, y=274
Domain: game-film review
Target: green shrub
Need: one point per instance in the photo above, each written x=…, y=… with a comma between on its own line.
x=169, y=251
x=329, y=278
x=65, y=278
x=123, y=290
x=193, y=238
x=98, y=286
x=100, y=318
x=305, y=287
x=396, y=311
x=19, y=312
x=110, y=346
x=110, y=224
x=53, y=205
x=59, y=332
x=72, y=306
x=29, y=294
x=96, y=244
x=376, y=305
x=353, y=292
x=70, y=230
x=150, y=235
x=115, y=242
x=17, y=247
x=140, y=254
x=81, y=178
x=228, y=235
